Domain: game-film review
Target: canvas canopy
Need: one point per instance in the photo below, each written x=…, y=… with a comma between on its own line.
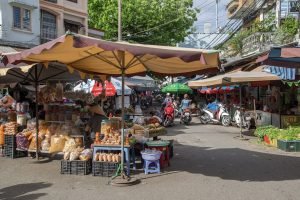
x=282, y=57
x=94, y=56
x=234, y=78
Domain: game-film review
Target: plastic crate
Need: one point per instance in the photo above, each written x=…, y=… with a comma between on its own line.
x=106, y=169
x=75, y=167
x=289, y=146
x=11, y=152
x=10, y=140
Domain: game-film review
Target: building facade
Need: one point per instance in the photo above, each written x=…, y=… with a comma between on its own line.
x=60, y=16
x=19, y=23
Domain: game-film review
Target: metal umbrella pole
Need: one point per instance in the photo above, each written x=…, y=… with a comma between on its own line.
x=36, y=111
x=241, y=120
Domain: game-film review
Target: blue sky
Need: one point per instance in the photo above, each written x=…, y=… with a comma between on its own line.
x=208, y=13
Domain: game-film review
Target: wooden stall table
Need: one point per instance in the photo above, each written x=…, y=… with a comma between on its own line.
x=127, y=149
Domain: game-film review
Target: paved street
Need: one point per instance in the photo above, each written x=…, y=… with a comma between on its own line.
x=209, y=163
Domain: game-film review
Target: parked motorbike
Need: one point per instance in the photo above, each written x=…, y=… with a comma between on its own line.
x=159, y=98
x=186, y=116
x=247, y=120
x=220, y=116
x=168, y=115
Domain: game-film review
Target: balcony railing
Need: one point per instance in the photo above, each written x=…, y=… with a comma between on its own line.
x=262, y=41
x=257, y=42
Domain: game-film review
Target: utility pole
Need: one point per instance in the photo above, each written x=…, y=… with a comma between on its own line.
x=278, y=13
x=217, y=16
x=119, y=20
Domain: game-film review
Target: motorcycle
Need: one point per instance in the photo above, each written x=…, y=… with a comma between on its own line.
x=168, y=115
x=144, y=104
x=159, y=98
x=220, y=116
x=247, y=120
x=186, y=116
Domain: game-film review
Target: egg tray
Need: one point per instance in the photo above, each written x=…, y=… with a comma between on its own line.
x=105, y=169
x=76, y=167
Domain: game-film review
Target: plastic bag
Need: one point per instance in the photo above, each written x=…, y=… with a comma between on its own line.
x=57, y=144
x=22, y=141
x=70, y=145
x=67, y=155
x=75, y=154
x=86, y=154
x=32, y=145
x=45, y=145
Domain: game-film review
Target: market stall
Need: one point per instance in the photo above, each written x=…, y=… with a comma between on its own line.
x=84, y=54
x=233, y=78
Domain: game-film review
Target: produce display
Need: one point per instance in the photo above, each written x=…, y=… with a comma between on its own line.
x=292, y=133
x=78, y=153
x=108, y=157
x=150, y=130
x=1, y=134
x=11, y=128
x=111, y=138
x=52, y=138
x=23, y=138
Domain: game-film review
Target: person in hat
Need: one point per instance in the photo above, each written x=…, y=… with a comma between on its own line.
x=94, y=124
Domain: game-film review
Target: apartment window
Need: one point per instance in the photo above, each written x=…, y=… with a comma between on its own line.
x=22, y=18
x=72, y=26
x=48, y=26
x=294, y=6
x=74, y=1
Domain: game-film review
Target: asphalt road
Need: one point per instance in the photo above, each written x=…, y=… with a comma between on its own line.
x=209, y=164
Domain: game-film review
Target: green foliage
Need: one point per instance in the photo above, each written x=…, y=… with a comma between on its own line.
x=292, y=133
x=261, y=131
x=287, y=30
x=164, y=22
x=236, y=42
x=266, y=25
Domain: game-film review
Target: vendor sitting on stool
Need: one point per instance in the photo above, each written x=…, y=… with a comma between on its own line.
x=94, y=124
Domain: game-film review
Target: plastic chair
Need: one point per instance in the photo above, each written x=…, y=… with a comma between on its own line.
x=151, y=166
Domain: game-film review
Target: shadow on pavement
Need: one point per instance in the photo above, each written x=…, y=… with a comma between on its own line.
x=20, y=191
x=234, y=164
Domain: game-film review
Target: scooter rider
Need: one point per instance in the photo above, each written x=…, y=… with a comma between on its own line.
x=185, y=103
x=167, y=100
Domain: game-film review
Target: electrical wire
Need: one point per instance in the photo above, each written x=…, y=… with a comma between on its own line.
x=236, y=28
x=227, y=24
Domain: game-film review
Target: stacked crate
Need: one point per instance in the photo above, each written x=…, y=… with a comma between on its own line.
x=10, y=147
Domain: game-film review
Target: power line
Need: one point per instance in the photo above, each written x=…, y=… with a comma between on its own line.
x=240, y=26
x=227, y=24
x=235, y=28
